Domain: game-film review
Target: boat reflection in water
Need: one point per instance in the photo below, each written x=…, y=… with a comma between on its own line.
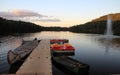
x=60, y=51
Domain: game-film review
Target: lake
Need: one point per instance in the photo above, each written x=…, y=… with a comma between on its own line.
x=89, y=48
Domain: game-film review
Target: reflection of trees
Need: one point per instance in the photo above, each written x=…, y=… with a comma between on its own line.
x=114, y=42
x=109, y=43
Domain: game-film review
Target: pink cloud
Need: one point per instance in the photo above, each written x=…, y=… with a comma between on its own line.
x=47, y=20
x=21, y=13
x=26, y=15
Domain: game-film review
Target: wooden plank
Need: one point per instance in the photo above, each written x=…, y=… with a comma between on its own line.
x=38, y=62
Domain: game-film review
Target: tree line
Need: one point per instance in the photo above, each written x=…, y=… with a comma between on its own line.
x=55, y=29
x=98, y=27
x=10, y=26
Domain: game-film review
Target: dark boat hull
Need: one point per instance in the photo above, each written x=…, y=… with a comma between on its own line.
x=22, y=51
x=62, y=53
x=72, y=65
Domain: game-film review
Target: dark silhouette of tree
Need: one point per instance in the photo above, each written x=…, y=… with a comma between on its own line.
x=56, y=29
x=98, y=27
x=10, y=26
x=94, y=27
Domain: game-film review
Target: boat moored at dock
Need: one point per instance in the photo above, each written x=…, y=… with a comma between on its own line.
x=61, y=46
x=22, y=51
x=76, y=67
x=60, y=52
x=58, y=41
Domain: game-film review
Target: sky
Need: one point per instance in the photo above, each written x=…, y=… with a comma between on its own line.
x=64, y=13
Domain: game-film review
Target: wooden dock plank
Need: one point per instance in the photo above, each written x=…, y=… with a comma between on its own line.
x=38, y=62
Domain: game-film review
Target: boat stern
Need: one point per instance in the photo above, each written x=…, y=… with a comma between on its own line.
x=11, y=57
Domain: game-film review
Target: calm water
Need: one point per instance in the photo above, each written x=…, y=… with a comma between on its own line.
x=90, y=49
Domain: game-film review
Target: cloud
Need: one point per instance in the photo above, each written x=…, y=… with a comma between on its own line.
x=21, y=13
x=48, y=20
x=26, y=15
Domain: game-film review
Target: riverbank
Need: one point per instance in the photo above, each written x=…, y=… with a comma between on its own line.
x=10, y=27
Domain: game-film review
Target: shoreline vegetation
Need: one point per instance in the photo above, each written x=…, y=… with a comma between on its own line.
x=11, y=26
x=98, y=27
x=94, y=27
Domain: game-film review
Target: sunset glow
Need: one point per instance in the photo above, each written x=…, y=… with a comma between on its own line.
x=64, y=13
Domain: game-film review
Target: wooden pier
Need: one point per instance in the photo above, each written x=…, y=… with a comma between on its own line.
x=38, y=62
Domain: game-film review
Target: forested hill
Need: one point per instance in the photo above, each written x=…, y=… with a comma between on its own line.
x=98, y=26
x=114, y=17
x=10, y=26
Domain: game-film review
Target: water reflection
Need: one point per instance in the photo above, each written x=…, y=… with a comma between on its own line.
x=114, y=42
x=7, y=43
x=91, y=49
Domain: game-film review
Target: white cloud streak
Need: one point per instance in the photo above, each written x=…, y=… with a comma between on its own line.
x=26, y=15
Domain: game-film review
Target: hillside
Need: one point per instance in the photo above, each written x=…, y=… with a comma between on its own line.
x=98, y=26
x=10, y=26
x=114, y=17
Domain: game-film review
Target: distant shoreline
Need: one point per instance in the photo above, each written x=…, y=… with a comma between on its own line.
x=10, y=27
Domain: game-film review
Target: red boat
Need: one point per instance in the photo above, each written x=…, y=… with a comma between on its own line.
x=62, y=48
x=59, y=41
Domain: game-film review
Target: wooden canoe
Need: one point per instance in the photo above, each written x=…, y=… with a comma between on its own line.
x=70, y=64
x=22, y=51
